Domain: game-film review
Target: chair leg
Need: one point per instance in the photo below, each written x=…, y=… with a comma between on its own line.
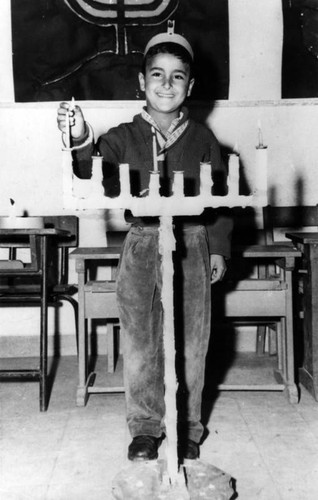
x=260, y=340
x=110, y=347
x=272, y=340
x=279, y=343
x=74, y=304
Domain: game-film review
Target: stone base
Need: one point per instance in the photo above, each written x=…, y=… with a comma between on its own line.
x=148, y=481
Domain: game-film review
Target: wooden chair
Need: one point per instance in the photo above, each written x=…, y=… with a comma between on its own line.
x=97, y=299
x=43, y=280
x=277, y=220
x=258, y=290
x=61, y=288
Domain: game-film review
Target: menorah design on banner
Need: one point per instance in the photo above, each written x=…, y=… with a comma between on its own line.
x=123, y=13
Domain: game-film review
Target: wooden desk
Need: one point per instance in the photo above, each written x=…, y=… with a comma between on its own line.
x=278, y=300
x=82, y=256
x=37, y=241
x=307, y=243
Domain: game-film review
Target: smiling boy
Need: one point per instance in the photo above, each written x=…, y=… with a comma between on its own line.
x=203, y=244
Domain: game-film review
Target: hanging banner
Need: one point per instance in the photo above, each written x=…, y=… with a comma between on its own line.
x=92, y=49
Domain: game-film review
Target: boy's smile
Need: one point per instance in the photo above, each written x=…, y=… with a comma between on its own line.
x=166, y=83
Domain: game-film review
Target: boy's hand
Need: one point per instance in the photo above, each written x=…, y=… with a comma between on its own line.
x=77, y=122
x=218, y=267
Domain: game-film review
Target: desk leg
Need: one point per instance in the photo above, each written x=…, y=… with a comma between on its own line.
x=286, y=368
x=43, y=327
x=82, y=392
x=308, y=373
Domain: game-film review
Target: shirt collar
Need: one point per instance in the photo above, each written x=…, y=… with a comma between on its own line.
x=174, y=124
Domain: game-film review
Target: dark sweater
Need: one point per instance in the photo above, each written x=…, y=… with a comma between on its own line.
x=132, y=143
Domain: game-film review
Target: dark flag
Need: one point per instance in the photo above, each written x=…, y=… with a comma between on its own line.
x=92, y=49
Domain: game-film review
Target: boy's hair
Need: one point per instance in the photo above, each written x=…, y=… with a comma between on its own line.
x=168, y=48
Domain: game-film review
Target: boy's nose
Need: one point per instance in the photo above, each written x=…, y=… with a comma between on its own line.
x=167, y=83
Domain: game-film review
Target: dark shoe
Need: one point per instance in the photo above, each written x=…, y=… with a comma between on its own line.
x=144, y=448
x=191, y=450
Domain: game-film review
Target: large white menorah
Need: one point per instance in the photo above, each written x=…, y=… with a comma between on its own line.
x=81, y=194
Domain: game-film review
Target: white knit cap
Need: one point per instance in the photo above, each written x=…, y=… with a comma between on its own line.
x=169, y=37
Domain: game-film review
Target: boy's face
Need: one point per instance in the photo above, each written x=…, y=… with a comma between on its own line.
x=166, y=84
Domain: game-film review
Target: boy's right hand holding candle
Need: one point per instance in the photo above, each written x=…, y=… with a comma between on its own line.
x=77, y=126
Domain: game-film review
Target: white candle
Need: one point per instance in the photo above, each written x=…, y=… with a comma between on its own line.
x=154, y=150
x=67, y=130
x=206, y=182
x=234, y=174
x=72, y=105
x=124, y=179
x=178, y=183
x=154, y=184
x=97, y=174
x=260, y=135
x=260, y=179
x=71, y=108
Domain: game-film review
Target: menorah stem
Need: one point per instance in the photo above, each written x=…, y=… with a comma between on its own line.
x=167, y=245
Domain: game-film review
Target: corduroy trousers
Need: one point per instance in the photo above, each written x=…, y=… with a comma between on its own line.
x=139, y=285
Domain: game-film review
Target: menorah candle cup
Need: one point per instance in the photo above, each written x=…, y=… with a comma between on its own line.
x=234, y=174
x=178, y=183
x=124, y=179
x=206, y=182
x=154, y=183
x=67, y=130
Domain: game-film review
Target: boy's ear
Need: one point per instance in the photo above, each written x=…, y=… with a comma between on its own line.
x=191, y=83
x=141, y=77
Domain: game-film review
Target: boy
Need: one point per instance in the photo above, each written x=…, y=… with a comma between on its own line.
x=203, y=244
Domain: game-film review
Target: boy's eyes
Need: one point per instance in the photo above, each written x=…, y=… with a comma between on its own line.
x=176, y=76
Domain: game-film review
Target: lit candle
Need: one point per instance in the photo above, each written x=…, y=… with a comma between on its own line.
x=154, y=150
x=124, y=179
x=178, y=183
x=234, y=174
x=71, y=108
x=206, y=182
x=260, y=134
x=97, y=174
x=154, y=184
x=260, y=179
x=67, y=130
x=72, y=105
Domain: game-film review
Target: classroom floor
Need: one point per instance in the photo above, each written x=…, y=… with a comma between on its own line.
x=269, y=446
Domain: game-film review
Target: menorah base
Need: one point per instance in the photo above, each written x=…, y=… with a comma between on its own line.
x=148, y=481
